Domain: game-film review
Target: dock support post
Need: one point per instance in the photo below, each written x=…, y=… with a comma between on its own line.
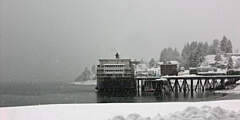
x=202, y=86
x=142, y=86
x=170, y=85
x=214, y=83
x=191, y=87
x=184, y=86
x=138, y=87
x=197, y=86
x=176, y=86
x=222, y=83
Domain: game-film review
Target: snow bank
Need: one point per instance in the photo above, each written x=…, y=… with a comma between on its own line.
x=188, y=111
x=88, y=82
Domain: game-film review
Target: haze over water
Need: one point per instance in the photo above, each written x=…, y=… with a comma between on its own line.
x=35, y=93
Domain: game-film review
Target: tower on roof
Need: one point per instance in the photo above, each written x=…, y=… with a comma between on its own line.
x=117, y=56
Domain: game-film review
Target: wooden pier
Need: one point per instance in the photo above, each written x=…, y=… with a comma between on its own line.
x=185, y=84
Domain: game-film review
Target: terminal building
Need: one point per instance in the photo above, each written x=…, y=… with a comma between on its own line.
x=115, y=74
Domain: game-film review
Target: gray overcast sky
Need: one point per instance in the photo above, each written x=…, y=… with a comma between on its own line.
x=49, y=40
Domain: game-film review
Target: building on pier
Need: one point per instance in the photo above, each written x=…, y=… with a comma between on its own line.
x=169, y=68
x=115, y=74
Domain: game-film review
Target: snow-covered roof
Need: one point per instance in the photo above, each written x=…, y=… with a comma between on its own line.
x=174, y=62
x=159, y=63
x=168, y=62
x=141, y=67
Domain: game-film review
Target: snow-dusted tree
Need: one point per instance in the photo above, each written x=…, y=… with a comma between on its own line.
x=142, y=61
x=230, y=63
x=86, y=75
x=218, y=57
x=193, y=60
x=236, y=50
x=214, y=48
x=201, y=51
x=193, y=54
x=94, y=72
x=224, y=44
x=94, y=69
x=229, y=48
x=186, y=52
x=152, y=63
x=205, y=48
x=169, y=54
x=163, y=55
x=237, y=64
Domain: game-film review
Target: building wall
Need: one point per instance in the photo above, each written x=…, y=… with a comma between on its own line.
x=169, y=69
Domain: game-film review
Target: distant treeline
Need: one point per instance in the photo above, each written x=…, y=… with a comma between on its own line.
x=193, y=53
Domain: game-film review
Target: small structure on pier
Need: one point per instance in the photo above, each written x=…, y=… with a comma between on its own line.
x=115, y=74
x=169, y=68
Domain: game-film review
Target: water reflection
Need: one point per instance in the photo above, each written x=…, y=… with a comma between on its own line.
x=116, y=97
x=133, y=96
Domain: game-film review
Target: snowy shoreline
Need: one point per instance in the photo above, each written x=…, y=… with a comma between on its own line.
x=106, y=111
x=235, y=90
x=88, y=82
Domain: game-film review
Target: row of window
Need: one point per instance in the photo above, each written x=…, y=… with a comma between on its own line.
x=112, y=66
x=113, y=70
x=116, y=75
x=118, y=70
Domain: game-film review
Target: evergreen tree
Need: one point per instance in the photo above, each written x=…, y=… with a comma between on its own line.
x=201, y=52
x=224, y=43
x=214, y=48
x=230, y=63
x=169, y=54
x=193, y=59
x=186, y=52
x=205, y=48
x=152, y=63
x=163, y=55
x=193, y=54
x=236, y=50
x=142, y=61
x=86, y=75
x=94, y=69
x=229, y=48
x=218, y=58
x=237, y=65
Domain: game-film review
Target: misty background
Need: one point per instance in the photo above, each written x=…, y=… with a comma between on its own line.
x=54, y=40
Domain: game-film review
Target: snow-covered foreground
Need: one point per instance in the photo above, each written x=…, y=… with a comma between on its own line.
x=190, y=113
x=108, y=111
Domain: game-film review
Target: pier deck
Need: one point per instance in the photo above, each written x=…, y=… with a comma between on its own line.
x=176, y=84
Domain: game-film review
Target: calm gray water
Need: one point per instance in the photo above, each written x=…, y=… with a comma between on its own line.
x=21, y=94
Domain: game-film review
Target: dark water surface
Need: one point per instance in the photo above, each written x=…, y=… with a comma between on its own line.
x=21, y=94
